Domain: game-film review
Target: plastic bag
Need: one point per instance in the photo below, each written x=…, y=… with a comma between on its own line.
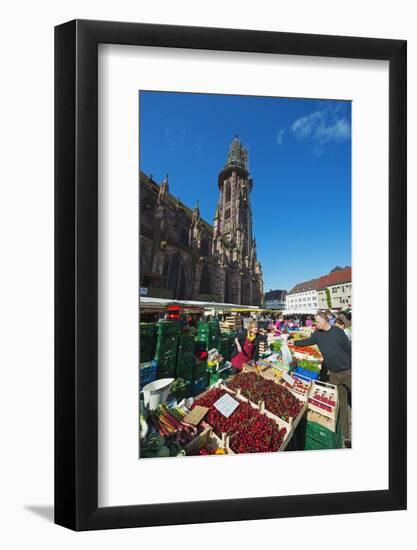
x=286, y=355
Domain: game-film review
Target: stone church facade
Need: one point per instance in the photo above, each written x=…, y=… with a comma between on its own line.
x=185, y=258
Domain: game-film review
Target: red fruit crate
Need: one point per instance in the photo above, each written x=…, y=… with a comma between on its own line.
x=289, y=426
x=301, y=386
x=261, y=408
x=323, y=400
x=293, y=422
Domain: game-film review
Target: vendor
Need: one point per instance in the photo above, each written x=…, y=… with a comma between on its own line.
x=335, y=348
x=246, y=347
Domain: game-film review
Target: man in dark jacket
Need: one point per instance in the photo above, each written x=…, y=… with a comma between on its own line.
x=335, y=348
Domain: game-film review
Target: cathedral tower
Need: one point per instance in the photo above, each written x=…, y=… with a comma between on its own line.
x=233, y=242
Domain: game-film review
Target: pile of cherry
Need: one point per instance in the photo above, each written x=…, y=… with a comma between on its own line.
x=278, y=400
x=249, y=430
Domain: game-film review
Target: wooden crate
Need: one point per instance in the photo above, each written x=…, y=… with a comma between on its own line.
x=326, y=418
x=207, y=438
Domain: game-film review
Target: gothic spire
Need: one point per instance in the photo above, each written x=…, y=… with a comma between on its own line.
x=238, y=155
x=196, y=213
x=163, y=190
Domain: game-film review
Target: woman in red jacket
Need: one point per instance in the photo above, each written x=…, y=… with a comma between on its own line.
x=246, y=347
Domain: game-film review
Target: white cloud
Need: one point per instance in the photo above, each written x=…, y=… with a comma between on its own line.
x=322, y=126
x=338, y=131
x=280, y=137
x=304, y=126
x=174, y=136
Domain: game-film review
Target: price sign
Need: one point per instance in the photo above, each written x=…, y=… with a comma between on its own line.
x=226, y=405
x=196, y=415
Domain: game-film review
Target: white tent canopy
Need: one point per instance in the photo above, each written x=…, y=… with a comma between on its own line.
x=217, y=306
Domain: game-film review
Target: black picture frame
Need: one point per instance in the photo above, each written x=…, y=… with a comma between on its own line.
x=76, y=271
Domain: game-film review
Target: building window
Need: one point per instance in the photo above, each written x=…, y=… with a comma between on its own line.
x=176, y=280
x=227, y=214
x=205, y=248
x=183, y=236
x=228, y=192
x=205, y=281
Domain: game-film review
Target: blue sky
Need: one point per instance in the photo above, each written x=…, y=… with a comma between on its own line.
x=299, y=159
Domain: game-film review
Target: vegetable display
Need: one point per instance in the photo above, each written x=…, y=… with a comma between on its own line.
x=278, y=400
x=276, y=346
x=169, y=422
x=309, y=365
x=307, y=350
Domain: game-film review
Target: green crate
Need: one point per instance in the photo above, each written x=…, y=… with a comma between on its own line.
x=319, y=437
x=166, y=372
x=200, y=370
x=169, y=327
x=185, y=368
x=147, y=339
x=186, y=342
x=167, y=341
x=165, y=352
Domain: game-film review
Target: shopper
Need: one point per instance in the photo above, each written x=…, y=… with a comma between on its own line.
x=246, y=347
x=335, y=348
x=308, y=322
x=331, y=318
x=345, y=325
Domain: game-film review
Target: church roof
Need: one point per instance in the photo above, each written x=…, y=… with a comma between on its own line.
x=174, y=201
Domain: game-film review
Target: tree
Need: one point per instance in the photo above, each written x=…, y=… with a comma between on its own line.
x=328, y=298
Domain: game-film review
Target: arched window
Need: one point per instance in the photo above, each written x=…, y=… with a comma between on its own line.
x=228, y=191
x=205, y=281
x=175, y=277
x=183, y=236
x=205, y=247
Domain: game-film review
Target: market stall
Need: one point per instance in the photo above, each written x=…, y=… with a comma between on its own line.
x=192, y=404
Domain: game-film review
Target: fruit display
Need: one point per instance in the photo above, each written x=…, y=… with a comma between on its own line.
x=278, y=400
x=262, y=435
x=249, y=430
